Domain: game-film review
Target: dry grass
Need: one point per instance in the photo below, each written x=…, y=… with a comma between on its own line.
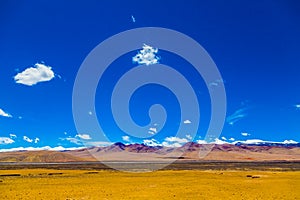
x=82, y=184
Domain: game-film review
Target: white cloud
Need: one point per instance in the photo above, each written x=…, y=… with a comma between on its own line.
x=297, y=106
x=27, y=139
x=175, y=144
x=201, y=142
x=151, y=142
x=289, y=142
x=36, y=140
x=152, y=130
x=98, y=143
x=33, y=75
x=6, y=140
x=216, y=83
x=72, y=140
x=12, y=135
x=223, y=138
x=187, y=121
x=174, y=141
x=245, y=134
x=133, y=19
x=84, y=136
x=59, y=148
x=4, y=114
x=218, y=141
x=90, y=113
x=236, y=116
x=231, y=139
x=146, y=56
x=189, y=137
x=126, y=138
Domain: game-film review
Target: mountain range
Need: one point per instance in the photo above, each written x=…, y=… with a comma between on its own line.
x=259, y=151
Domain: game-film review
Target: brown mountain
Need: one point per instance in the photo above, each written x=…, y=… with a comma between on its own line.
x=141, y=152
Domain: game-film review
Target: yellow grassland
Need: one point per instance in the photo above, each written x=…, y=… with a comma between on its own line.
x=190, y=184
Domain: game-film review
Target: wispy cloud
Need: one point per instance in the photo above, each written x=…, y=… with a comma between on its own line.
x=98, y=143
x=72, y=140
x=146, y=56
x=216, y=83
x=133, y=19
x=27, y=139
x=4, y=114
x=78, y=139
x=83, y=136
x=236, y=116
x=245, y=134
x=6, y=140
x=223, y=138
x=12, y=135
x=33, y=75
x=126, y=138
x=187, y=121
x=231, y=139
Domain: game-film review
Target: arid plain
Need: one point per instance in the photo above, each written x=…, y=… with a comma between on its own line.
x=167, y=184
x=227, y=172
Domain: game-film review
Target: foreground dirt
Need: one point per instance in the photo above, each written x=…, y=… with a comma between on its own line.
x=186, y=184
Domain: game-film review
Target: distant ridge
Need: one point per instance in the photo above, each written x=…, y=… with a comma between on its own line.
x=248, y=151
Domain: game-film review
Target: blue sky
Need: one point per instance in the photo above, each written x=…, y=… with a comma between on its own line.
x=255, y=45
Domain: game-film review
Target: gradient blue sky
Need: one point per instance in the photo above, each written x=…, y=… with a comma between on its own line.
x=255, y=45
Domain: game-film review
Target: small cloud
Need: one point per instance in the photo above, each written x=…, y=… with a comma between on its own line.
x=245, y=134
x=201, y=142
x=4, y=114
x=218, y=141
x=83, y=136
x=12, y=135
x=297, y=106
x=133, y=19
x=216, y=83
x=6, y=140
x=189, y=137
x=59, y=148
x=20, y=117
x=97, y=143
x=27, y=139
x=65, y=133
x=90, y=113
x=151, y=142
x=36, y=140
x=33, y=75
x=223, y=138
x=231, y=139
x=174, y=141
x=187, y=121
x=289, y=142
x=72, y=140
x=146, y=56
x=126, y=138
x=152, y=130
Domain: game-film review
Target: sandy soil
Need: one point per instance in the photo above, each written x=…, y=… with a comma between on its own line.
x=169, y=184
